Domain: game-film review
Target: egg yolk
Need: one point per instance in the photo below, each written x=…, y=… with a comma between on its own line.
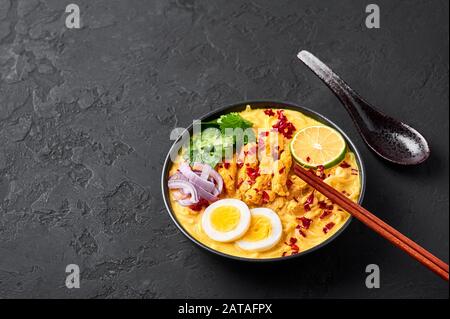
x=225, y=218
x=260, y=228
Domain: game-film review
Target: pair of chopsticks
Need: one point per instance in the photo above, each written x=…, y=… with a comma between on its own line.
x=374, y=223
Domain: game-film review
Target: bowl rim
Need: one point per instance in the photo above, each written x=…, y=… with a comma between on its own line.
x=263, y=103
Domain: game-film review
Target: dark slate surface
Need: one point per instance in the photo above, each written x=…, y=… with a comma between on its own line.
x=85, y=117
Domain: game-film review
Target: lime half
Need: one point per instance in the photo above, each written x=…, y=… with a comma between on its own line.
x=316, y=146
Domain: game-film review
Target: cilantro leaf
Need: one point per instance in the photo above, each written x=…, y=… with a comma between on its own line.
x=205, y=148
x=233, y=120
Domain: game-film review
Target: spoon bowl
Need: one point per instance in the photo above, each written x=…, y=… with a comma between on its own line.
x=389, y=138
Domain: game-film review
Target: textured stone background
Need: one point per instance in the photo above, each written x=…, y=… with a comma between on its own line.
x=85, y=117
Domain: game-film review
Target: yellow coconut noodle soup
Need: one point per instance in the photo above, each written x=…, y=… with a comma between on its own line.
x=253, y=205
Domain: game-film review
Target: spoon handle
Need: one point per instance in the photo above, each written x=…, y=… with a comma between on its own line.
x=353, y=102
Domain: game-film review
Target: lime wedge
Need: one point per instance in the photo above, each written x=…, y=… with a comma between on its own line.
x=316, y=146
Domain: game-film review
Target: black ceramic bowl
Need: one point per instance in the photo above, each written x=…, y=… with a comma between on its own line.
x=261, y=104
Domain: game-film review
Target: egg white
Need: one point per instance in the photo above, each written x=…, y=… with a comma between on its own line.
x=232, y=235
x=275, y=235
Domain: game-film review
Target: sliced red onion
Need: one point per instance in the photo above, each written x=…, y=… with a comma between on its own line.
x=178, y=176
x=202, y=178
x=216, y=192
x=185, y=169
x=210, y=197
x=186, y=202
x=178, y=194
x=187, y=188
x=205, y=171
x=218, y=181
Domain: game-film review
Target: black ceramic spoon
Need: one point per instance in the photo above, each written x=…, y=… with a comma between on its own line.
x=391, y=139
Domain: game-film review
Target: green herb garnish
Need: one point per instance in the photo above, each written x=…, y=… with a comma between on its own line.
x=215, y=136
x=232, y=120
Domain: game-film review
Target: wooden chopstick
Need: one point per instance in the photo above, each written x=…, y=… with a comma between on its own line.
x=376, y=224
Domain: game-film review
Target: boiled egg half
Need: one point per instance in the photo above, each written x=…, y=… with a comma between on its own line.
x=226, y=220
x=264, y=232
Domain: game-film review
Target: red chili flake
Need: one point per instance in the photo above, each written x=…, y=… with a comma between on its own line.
x=283, y=125
x=308, y=159
x=327, y=227
x=253, y=173
x=239, y=184
x=301, y=232
x=263, y=134
x=281, y=171
x=306, y=222
x=295, y=252
x=322, y=204
x=269, y=112
x=289, y=183
x=226, y=165
x=310, y=199
x=321, y=171
x=344, y=164
x=219, y=165
x=293, y=245
x=199, y=205
x=245, y=153
x=265, y=197
x=283, y=254
x=325, y=214
x=354, y=171
x=240, y=164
